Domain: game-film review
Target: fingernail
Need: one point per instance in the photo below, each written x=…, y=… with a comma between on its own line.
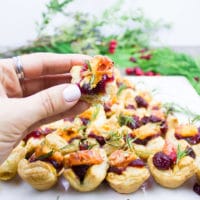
x=71, y=93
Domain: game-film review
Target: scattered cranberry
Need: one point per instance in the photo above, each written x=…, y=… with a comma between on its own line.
x=149, y=73
x=146, y=57
x=84, y=121
x=130, y=107
x=190, y=152
x=143, y=50
x=116, y=170
x=34, y=134
x=129, y=71
x=112, y=46
x=196, y=78
x=196, y=188
x=141, y=102
x=107, y=107
x=83, y=146
x=162, y=161
x=163, y=127
x=138, y=71
x=132, y=59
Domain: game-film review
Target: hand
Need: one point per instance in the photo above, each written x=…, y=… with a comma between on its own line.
x=30, y=104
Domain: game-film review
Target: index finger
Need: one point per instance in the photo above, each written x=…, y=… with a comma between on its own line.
x=39, y=64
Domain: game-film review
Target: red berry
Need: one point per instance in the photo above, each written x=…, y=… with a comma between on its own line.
x=112, y=45
x=129, y=71
x=162, y=161
x=113, y=42
x=146, y=57
x=196, y=78
x=132, y=59
x=149, y=73
x=111, y=50
x=143, y=50
x=138, y=71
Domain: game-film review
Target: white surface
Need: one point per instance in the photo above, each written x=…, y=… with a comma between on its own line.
x=169, y=88
x=18, y=17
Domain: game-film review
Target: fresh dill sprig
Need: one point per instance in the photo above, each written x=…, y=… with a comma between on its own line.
x=121, y=88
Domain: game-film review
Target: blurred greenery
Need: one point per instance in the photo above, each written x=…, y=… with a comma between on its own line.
x=90, y=34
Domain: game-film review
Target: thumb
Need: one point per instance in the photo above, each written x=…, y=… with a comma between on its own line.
x=52, y=101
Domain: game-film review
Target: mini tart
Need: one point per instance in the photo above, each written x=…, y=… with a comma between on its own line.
x=42, y=168
x=8, y=169
x=84, y=162
x=154, y=144
x=95, y=79
x=196, y=149
x=179, y=172
x=40, y=175
x=131, y=177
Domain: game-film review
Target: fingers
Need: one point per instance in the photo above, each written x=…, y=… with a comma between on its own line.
x=51, y=102
x=32, y=86
x=40, y=64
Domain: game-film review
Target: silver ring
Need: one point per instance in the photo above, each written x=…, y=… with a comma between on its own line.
x=18, y=68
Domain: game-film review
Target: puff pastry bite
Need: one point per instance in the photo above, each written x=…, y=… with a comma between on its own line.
x=42, y=168
x=127, y=172
x=86, y=169
x=95, y=79
x=172, y=166
x=8, y=169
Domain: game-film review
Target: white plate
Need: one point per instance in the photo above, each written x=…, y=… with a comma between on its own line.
x=170, y=89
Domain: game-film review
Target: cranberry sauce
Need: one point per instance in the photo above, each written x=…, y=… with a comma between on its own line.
x=100, y=87
x=119, y=170
x=141, y=102
x=107, y=107
x=151, y=118
x=100, y=139
x=191, y=140
x=80, y=171
x=196, y=188
x=146, y=140
x=84, y=121
x=162, y=161
x=38, y=133
x=130, y=107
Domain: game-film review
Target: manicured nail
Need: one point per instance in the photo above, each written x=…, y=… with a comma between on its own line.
x=71, y=93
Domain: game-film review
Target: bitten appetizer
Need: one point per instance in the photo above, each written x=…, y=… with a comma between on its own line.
x=42, y=168
x=172, y=166
x=86, y=169
x=127, y=172
x=8, y=169
x=95, y=79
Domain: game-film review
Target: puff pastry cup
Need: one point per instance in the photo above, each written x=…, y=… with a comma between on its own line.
x=42, y=168
x=8, y=169
x=85, y=170
x=127, y=172
x=95, y=79
x=173, y=166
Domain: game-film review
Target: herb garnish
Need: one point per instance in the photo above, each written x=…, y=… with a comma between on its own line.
x=45, y=156
x=180, y=153
x=96, y=111
x=125, y=120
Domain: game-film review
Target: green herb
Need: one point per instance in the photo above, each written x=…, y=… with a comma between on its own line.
x=180, y=153
x=114, y=139
x=82, y=128
x=96, y=111
x=121, y=88
x=45, y=156
x=89, y=65
x=129, y=142
x=125, y=120
x=91, y=146
x=92, y=79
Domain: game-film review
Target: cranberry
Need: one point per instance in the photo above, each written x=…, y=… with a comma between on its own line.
x=149, y=73
x=107, y=107
x=146, y=57
x=138, y=71
x=130, y=107
x=146, y=140
x=196, y=78
x=80, y=171
x=152, y=119
x=116, y=170
x=196, y=188
x=162, y=161
x=129, y=71
x=137, y=163
x=100, y=139
x=143, y=50
x=141, y=102
x=83, y=146
x=191, y=140
x=57, y=166
x=190, y=152
x=34, y=134
x=84, y=121
x=163, y=127
x=132, y=59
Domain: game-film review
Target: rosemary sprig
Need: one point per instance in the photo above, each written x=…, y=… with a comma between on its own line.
x=125, y=120
x=114, y=139
x=96, y=111
x=129, y=142
x=121, y=88
x=180, y=153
